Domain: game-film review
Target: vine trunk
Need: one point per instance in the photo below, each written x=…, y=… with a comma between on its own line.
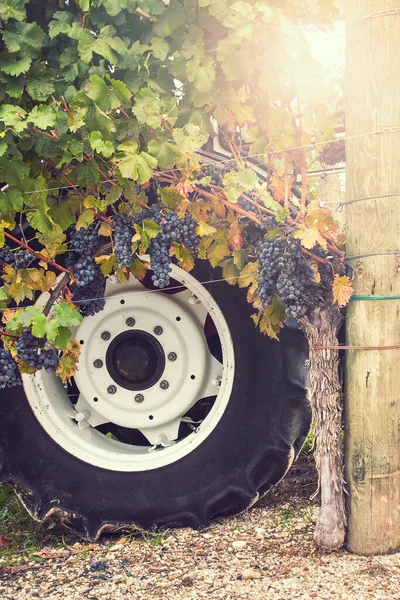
x=321, y=328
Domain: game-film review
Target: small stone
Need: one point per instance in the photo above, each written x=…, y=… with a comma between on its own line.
x=251, y=574
x=203, y=565
x=129, y=581
x=239, y=545
x=115, y=548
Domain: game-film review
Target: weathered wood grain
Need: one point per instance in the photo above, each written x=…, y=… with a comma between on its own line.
x=372, y=404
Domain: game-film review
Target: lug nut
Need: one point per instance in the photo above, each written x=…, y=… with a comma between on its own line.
x=172, y=356
x=139, y=398
x=98, y=363
x=130, y=322
x=112, y=389
x=164, y=385
x=158, y=330
x=105, y=335
x=194, y=300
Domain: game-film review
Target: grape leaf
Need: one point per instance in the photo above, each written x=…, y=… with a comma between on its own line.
x=13, y=116
x=309, y=236
x=204, y=228
x=67, y=315
x=139, y=268
x=230, y=272
x=271, y=320
x=108, y=263
x=236, y=182
x=342, y=289
x=62, y=338
x=248, y=275
x=190, y=138
x=11, y=66
x=183, y=255
x=132, y=165
x=43, y=116
x=67, y=366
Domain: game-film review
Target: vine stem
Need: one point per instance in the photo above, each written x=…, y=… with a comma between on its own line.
x=66, y=107
x=318, y=259
x=37, y=254
x=6, y=334
x=233, y=207
x=55, y=293
x=103, y=218
x=49, y=135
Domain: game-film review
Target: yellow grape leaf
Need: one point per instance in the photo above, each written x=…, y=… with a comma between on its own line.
x=217, y=252
x=24, y=367
x=184, y=256
x=342, y=289
x=85, y=219
x=108, y=263
x=248, y=275
x=139, y=268
x=105, y=229
x=203, y=229
x=271, y=320
x=309, y=236
x=67, y=366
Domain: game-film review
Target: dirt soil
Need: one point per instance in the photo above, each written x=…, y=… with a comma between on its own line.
x=266, y=553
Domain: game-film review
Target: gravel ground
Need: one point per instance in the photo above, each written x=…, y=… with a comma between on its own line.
x=265, y=553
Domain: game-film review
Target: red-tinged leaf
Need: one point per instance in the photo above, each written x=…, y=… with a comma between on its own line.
x=67, y=366
x=342, y=289
x=185, y=258
x=235, y=238
x=278, y=186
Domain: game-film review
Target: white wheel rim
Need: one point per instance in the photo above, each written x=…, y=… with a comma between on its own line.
x=193, y=375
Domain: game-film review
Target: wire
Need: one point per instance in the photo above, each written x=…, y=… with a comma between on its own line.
x=357, y=256
x=147, y=291
x=374, y=297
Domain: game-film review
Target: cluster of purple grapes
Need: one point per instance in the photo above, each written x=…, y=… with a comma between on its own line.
x=88, y=290
x=9, y=374
x=19, y=259
x=31, y=350
x=333, y=153
x=284, y=270
x=173, y=229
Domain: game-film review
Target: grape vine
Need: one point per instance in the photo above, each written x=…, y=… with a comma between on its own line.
x=100, y=166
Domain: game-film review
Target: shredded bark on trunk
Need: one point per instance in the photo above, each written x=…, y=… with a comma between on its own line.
x=321, y=328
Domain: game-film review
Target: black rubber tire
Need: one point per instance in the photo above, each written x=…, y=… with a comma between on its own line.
x=249, y=451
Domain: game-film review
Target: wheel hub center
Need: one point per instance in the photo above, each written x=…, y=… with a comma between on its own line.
x=135, y=360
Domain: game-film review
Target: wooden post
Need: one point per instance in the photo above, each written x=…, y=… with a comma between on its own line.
x=372, y=405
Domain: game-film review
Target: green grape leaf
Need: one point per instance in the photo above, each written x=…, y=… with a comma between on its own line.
x=39, y=326
x=165, y=153
x=160, y=48
x=62, y=338
x=40, y=221
x=67, y=315
x=172, y=18
x=11, y=66
x=139, y=268
x=132, y=165
x=13, y=116
x=43, y=116
x=151, y=228
x=107, y=98
x=62, y=21
x=190, y=138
